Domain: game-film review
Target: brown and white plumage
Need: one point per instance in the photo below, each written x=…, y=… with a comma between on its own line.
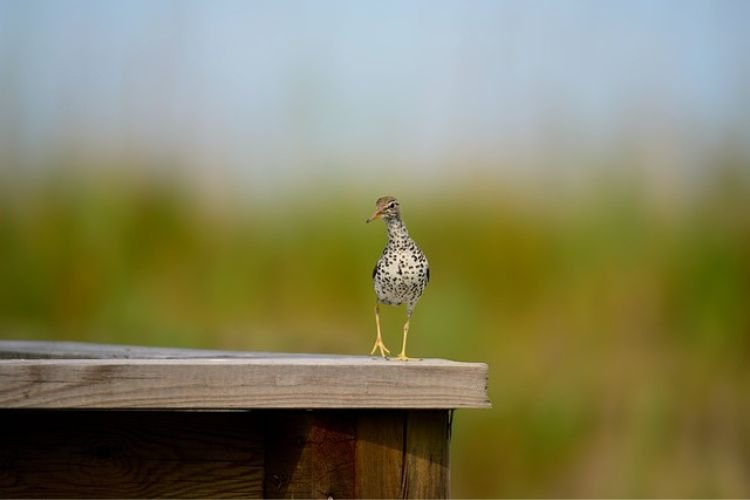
x=402, y=272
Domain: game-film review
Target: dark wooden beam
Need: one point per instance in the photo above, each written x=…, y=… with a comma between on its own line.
x=237, y=454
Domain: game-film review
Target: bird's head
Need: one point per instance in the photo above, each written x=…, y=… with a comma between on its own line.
x=386, y=207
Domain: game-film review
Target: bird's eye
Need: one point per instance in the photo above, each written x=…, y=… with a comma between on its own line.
x=392, y=204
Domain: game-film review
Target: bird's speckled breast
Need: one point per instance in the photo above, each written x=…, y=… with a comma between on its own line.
x=402, y=272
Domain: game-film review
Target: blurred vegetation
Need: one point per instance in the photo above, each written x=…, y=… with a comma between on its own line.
x=616, y=326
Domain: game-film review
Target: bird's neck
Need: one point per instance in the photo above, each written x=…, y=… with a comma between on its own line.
x=396, y=230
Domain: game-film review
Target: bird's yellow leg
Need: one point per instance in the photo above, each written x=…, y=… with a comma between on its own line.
x=403, y=356
x=379, y=340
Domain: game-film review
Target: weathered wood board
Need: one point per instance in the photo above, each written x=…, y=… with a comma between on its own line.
x=257, y=381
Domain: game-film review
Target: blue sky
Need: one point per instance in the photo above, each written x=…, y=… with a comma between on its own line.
x=271, y=88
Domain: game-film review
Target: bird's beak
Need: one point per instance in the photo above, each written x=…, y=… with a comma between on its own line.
x=375, y=216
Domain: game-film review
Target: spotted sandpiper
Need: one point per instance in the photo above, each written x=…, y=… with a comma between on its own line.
x=402, y=272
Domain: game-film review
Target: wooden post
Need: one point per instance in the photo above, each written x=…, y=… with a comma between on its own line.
x=91, y=421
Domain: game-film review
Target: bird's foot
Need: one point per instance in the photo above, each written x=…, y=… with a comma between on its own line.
x=380, y=345
x=404, y=357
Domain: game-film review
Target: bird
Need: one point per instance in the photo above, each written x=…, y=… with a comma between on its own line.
x=402, y=272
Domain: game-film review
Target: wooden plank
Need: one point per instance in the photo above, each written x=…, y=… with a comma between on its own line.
x=98, y=454
x=358, y=454
x=426, y=468
x=403, y=454
x=260, y=454
x=310, y=455
x=34, y=349
x=226, y=383
x=380, y=454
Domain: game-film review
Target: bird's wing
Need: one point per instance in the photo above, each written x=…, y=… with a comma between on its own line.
x=374, y=271
x=428, y=274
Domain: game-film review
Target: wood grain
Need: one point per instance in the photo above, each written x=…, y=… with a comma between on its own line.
x=310, y=455
x=380, y=454
x=78, y=454
x=426, y=468
x=268, y=381
x=35, y=349
x=224, y=454
x=403, y=454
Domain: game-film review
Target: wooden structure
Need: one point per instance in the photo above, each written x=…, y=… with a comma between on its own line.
x=83, y=420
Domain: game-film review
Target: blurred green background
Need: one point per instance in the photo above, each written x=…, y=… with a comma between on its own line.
x=197, y=174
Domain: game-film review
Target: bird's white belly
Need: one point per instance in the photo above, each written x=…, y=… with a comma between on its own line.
x=400, y=278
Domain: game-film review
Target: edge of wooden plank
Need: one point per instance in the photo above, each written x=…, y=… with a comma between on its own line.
x=40, y=349
x=278, y=381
